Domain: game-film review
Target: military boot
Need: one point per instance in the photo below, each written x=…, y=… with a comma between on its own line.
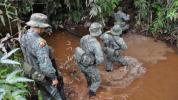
x=91, y=93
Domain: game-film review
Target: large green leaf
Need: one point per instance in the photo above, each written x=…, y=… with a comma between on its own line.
x=2, y=20
x=12, y=78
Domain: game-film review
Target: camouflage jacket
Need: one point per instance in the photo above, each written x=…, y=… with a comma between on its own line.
x=37, y=53
x=90, y=45
x=114, y=42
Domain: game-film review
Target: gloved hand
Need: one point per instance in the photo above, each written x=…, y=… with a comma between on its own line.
x=38, y=76
x=55, y=82
x=117, y=52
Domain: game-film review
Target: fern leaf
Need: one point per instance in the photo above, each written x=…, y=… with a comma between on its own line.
x=2, y=93
x=13, y=74
x=18, y=92
x=12, y=78
x=9, y=53
x=19, y=79
x=8, y=61
x=19, y=97
x=95, y=10
x=2, y=20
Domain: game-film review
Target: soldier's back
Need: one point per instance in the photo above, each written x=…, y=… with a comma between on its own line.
x=88, y=43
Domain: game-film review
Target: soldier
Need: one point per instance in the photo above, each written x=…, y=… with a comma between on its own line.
x=89, y=55
x=39, y=64
x=120, y=18
x=113, y=45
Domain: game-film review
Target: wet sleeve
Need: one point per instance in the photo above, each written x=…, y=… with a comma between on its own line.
x=123, y=45
x=105, y=35
x=45, y=64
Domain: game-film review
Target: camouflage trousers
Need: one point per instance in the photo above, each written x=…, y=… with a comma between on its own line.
x=92, y=75
x=111, y=59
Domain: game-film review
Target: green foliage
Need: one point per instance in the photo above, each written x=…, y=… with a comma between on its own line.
x=54, y=8
x=60, y=10
x=24, y=7
x=172, y=10
x=107, y=7
x=75, y=16
x=4, y=59
x=165, y=17
x=160, y=20
x=13, y=86
x=142, y=10
x=103, y=8
x=12, y=90
x=2, y=18
x=71, y=10
x=8, y=11
x=13, y=79
x=159, y=15
x=11, y=10
x=40, y=97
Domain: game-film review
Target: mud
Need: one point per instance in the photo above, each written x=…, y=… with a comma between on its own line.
x=159, y=60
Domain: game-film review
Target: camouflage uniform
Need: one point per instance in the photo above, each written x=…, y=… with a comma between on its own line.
x=113, y=46
x=38, y=55
x=120, y=18
x=88, y=56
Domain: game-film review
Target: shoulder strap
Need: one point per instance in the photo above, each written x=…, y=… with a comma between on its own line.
x=116, y=41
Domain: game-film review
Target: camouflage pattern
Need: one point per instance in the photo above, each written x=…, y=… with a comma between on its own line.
x=85, y=58
x=38, y=20
x=116, y=30
x=95, y=29
x=90, y=45
x=37, y=54
x=121, y=18
x=113, y=45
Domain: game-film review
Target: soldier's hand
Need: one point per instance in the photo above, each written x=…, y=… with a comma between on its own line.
x=109, y=31
x=55, y=82
x=42, y=43
x=117, y=52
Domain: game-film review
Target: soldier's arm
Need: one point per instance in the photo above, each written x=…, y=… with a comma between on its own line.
x=123, y=45
x=44, y=60
x=98, y=53
x=105, y=35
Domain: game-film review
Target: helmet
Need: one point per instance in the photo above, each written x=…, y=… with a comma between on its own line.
x=121, y=15
x=38, y=20
x=95, y=29
x=116, y=30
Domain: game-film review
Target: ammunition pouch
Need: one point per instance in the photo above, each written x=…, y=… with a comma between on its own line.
x=27, y=68
x=32, y=73
x=38, y=76
x=117, y=52
x=87, y=59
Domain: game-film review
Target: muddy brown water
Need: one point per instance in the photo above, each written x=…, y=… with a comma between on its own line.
x=159, y=83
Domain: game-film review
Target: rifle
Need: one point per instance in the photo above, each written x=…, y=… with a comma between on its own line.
x=60, y=86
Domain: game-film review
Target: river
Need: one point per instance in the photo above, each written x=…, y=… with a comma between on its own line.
x=160, y=82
